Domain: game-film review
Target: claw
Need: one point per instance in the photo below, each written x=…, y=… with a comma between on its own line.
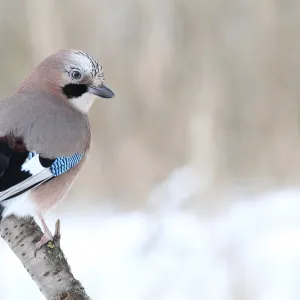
x=44, y=240
x=56, y=238
x=47, y=236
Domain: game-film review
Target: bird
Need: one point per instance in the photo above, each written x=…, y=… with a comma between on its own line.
x=45, y=134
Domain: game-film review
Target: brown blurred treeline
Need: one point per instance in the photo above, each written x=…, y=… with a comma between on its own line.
x=213, y=84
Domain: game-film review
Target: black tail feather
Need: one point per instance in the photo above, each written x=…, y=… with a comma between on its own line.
x=1, y=211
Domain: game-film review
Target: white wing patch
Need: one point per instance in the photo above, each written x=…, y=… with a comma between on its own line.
x=33, y=165
x=34, y=173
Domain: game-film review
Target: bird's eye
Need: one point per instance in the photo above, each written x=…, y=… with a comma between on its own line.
x=75, y=74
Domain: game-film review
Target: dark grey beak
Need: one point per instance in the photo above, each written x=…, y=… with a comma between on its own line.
x=101, y=91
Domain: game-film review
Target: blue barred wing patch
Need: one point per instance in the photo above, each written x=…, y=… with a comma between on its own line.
x=61, y=164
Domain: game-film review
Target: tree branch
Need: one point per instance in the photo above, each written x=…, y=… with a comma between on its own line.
x=49, y=269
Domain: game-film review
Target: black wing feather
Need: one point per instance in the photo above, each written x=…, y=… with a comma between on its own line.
x=13, y=174
x=11, y=162
x=5, y=155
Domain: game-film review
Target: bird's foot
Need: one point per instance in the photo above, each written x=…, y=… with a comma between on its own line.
x=44, y=240
x=48, y=237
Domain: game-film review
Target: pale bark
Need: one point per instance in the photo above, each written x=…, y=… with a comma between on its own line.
x=49, y=269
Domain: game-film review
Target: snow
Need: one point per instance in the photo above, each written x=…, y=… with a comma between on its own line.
x=251, y=250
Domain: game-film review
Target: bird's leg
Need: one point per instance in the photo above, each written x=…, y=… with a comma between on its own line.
x=47, y=236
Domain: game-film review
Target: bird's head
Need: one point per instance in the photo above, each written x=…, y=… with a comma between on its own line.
x=72, y=76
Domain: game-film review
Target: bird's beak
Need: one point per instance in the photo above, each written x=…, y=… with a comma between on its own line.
x=101, y=91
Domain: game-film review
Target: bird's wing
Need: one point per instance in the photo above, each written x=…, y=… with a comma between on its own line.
x=21, y=171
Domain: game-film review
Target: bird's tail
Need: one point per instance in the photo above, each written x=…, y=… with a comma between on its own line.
x=1, y=211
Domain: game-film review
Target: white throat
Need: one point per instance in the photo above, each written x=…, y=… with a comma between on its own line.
x=83, y=103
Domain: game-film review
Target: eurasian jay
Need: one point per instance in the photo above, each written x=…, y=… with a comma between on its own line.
x=45, y=133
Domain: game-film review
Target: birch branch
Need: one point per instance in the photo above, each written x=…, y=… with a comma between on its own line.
x=49, y=269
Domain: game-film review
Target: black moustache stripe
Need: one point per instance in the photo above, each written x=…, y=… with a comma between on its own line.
x=74, y=90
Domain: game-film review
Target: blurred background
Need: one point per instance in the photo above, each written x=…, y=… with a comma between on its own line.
x=191, y=190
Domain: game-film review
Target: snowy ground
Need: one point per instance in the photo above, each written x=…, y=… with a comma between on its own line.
x=251, y=251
